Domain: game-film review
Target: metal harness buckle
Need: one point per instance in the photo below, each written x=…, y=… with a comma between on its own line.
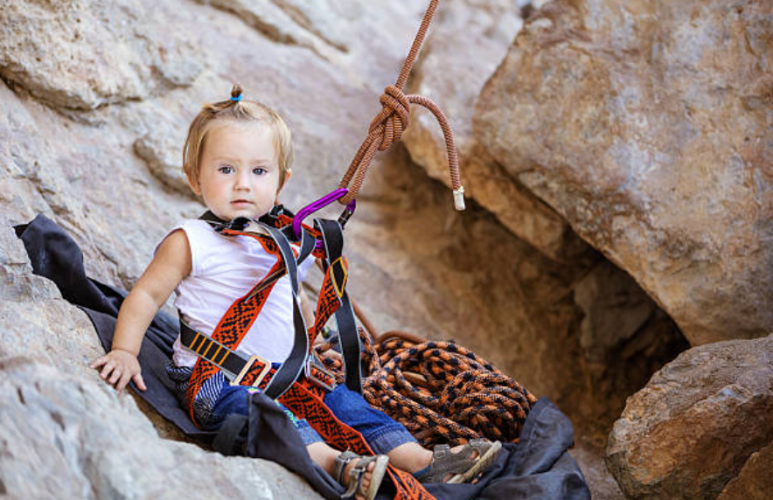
x=246, y=370
x=318, y=374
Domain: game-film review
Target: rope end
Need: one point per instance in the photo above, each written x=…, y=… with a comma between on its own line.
x=459, y=198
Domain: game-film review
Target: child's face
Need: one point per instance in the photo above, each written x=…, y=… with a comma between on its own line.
x=238, y=172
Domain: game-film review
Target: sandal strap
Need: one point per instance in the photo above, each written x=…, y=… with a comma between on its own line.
x=445, y=462
x=340, y=463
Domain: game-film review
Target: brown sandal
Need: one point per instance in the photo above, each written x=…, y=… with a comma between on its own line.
x=460, y=464
x=357, y=473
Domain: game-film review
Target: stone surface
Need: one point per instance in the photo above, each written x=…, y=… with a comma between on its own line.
x=111, y=450
x=647, y=126
x=601, y=484
x=755, y=480
x=696, y=423
x=614, y=307
x=84, y=54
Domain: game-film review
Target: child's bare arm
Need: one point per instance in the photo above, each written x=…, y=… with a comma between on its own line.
x=170, y=265
x=307, y=308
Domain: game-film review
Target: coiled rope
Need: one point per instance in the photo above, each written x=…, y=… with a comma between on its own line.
x=388, y=126
x=440, y=391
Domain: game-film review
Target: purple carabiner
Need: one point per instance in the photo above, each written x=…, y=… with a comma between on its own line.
x=314, y=206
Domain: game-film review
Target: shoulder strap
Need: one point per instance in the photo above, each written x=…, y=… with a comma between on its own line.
x=293, y=366
x=335, y=267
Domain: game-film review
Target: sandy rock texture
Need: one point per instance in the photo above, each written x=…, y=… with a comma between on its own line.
x=111, y=450
x=701, y=421
x=647, y=127
x=754, y=481
x=85, y=54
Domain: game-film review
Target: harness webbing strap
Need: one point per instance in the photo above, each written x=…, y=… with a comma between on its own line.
x=307, y=403
x=211, y=350
x=291, y=369
x=332, y=237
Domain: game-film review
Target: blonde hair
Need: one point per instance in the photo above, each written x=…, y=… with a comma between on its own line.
x=238, y=110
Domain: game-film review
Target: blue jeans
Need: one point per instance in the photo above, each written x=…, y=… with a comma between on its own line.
x=379, y=430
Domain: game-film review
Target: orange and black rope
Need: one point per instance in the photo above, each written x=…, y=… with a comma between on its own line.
x=440, y=391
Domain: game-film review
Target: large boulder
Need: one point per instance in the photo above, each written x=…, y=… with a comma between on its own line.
x=646, y=126
x=697, y=423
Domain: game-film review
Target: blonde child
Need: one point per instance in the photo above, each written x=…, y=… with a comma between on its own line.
x=238, y=157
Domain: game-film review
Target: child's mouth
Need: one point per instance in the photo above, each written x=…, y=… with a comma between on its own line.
x=241, y=202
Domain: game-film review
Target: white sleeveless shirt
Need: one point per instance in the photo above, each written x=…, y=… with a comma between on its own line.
x=223, y=269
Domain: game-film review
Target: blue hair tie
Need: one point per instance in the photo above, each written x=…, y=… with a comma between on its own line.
x=237, y=98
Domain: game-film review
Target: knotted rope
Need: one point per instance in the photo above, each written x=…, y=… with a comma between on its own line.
x=440, y=391
x=388, y=126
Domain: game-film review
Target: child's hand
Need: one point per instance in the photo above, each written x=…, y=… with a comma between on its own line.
x=121, y=367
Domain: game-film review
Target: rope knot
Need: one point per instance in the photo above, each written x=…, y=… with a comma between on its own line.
x=394, y=117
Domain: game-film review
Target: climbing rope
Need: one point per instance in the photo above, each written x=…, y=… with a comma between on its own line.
x=388, y=126
x=440, y=391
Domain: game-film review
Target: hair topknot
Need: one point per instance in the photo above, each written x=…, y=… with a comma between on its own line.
x=236, y=91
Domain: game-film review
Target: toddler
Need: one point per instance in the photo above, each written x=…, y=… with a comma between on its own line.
x=238, y=157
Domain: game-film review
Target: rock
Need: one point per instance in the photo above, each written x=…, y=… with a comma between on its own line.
x=755, y=480
x=158, y=152
x=602, y=485
x=614, y=306
x=645, y=127
x=84, y=54
x=88, y=443
x=696, y=423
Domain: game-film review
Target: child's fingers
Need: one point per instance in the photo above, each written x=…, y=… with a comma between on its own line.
x=109, y=365
x=116, y=376
x=98, y=362
x=123, y=382
x=139, y=382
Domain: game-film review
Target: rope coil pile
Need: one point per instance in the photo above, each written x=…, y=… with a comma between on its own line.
x=441, y=392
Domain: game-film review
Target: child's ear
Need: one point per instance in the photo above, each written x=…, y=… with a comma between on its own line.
x=193, y=183
x=288, y=174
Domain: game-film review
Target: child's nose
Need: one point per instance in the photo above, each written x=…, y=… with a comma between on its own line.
x=243, y=180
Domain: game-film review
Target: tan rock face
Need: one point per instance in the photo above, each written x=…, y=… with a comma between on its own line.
x=84, y=54
x=52, y=448
x=645, y=126
x=755, y=480
x=695, y=424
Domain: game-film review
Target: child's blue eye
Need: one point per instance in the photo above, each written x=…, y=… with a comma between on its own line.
x=227, y=169
x=258, y=170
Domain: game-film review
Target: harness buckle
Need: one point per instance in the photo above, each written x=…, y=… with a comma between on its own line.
x=250, y=362
x=317, y=374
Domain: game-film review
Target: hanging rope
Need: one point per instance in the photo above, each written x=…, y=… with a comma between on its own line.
x=388, y=126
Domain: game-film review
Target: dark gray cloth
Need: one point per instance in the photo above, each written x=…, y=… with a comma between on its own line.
x=539, y=467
